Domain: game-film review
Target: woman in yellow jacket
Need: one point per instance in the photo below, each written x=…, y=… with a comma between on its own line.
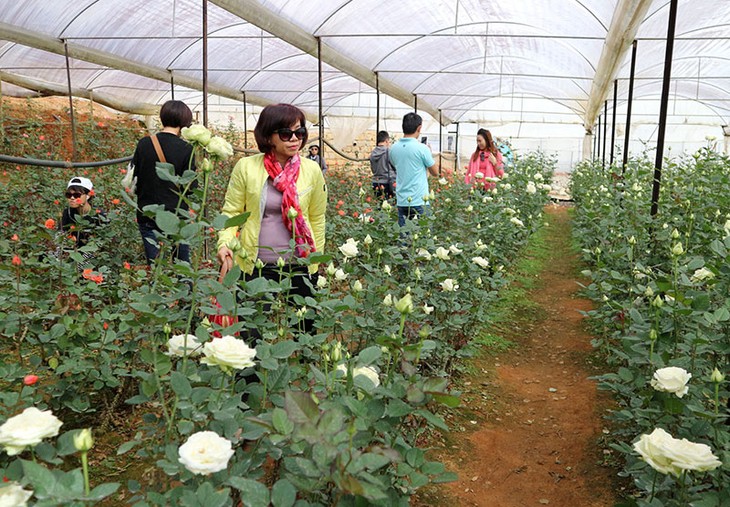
x=286, y=197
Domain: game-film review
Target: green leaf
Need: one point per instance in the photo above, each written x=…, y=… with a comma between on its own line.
x=167, y=221
x=103, y=490
x=236, y=221
x=300, y=407
x=283, y=494
x=369, y=355
x=283, y=350
x=126, y=447
x=180, y=384
x=281, y=421
x=253, y=493
x=447, y=399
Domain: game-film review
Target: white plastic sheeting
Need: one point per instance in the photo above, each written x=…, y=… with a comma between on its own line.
x=520, y=66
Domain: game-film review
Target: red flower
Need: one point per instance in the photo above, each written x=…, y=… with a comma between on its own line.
x=106, y=326
x=355, y=214
x=50, y=224
x=14, y=237
x=127, y=265
x=100, y=124
x=16, y=261
x=91, y=192
x=341, y=213
x=29, y=380
x=41, y=138
x=115, y=201
x=56, y=201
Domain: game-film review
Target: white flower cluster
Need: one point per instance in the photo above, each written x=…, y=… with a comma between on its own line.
x=216, y=146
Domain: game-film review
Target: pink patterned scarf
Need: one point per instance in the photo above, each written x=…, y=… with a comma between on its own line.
x=285, y=181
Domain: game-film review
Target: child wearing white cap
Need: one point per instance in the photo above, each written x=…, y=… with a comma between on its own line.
x=79, y=218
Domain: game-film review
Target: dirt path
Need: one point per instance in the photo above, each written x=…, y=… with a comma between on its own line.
x=531, y=418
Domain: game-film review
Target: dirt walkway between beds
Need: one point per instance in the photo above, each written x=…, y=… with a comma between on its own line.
x=529, y=428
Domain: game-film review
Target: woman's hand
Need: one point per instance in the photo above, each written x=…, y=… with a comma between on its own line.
x=225, y=257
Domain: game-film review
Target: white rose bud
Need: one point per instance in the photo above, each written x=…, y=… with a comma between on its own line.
x=280, y=262
x=423, y=254
x=671, y=379
x=417, y=272
x=388, y=300
x=632, y=240
x=340, y=275
x=386, y=206
x=443, y=181
x=455, y=250
x=386, y=270
x=349, y=248
x=206, y=166
x=675, y=234
x=428, y=310
x=442, y=253
x=478, y=280
x=196, y=134
x=321, y=282
x=83, y=441
x=480, y=261
x=470, y=208
x=717, y=377
x=368, y=240
x=405, y=304
x=259, y=264
x=179, y=346
x=658, y=302
x=205, y=452
x=331, y=269
x=449, y=285
x=336, y=352
x=677, y=249
x=357, y=286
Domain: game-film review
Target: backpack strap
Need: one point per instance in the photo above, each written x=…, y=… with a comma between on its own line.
x=158, y=148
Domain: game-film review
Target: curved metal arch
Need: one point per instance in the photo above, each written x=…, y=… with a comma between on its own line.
x=330, y=80
x=81, y=12
x=480, y=58
x=693, y=99
x=195, y=41
x=538, y=96
x=271, y=64
x=332, y=14
x=579, y=2
x=419, y=38
x=702, y=29
x=694, y=57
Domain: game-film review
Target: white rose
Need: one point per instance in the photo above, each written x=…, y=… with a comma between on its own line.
x=449, y=285
x=28, y=428
x=388, y=300
x=349, y=248
x=480, y=261
x=671, y=379
x=428, y=310
x=669, y=455
x=469, y=208
x=442, y=253
x=405, y=304
x=677, y=249
x=455, y=250
x=219, y=148
x=516, y=221
x=331, y=269
x=478, y=175
x=423, y=254
x=176, y=345
x=509, y=211
x=228, y=352
x=507, y=186
x=546, y=187
x=443, y=181
x=12, y=494
x=357, y=286
x=538, y=176
x=196, y=134
x=340, y=274
x=365, y=378
x=205, y=452
x=386, y=206
x=530, y=188
x=321, y=282
x=702, y=275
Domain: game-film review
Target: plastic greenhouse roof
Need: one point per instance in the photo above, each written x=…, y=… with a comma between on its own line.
x=460, y=60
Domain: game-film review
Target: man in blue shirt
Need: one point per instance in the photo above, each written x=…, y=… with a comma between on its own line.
x=413, y=161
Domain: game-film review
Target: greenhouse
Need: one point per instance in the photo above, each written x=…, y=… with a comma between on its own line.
x=213, y=296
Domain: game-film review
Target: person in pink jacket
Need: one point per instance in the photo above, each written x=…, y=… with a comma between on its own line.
x=485, y=162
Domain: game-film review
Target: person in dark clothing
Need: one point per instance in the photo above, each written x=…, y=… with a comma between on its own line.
x=174, y=115
x=80, y=219
x=382, y=168
x=314, y=155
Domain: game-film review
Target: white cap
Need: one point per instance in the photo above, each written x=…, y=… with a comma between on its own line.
x=80, y=181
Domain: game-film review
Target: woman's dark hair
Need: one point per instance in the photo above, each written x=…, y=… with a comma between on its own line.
x=491, y=147
x=175, y=114
x=274, y=117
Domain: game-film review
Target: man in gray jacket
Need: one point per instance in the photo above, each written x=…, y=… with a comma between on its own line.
x=383, y=169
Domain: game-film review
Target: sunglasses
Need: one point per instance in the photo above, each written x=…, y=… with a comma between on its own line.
x=74, y=195
x=285, y=134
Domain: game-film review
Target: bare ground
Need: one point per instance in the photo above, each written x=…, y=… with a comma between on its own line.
x=529, y=430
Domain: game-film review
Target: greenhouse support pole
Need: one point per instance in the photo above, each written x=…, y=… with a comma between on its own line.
x=597, y=129
x=172, y=85
x=441, y=146
x=2, y=113
x=664, y=108
x=613, y=118
x=415, y=103
x=605, y=133
x=456, y=147
x=377, y=105
x=628, y=108
x=725, y=136
x=319, y=99
x=205, y=63
x=598, y=141
x=71, y=104
x=245, y=122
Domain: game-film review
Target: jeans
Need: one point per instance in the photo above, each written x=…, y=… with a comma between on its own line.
x=409, y=213
x=181, y=251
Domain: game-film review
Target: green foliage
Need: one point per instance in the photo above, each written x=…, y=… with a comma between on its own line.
x=659, y=307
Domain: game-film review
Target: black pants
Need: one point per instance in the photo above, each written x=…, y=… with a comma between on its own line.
x=383, y=190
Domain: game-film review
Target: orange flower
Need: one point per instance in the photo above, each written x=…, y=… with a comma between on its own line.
x=87, y=273
x=340, y=202
x=341, y=213
x=41, y=138
x=50, y=224
x=56, y=201
x=16, y=261
x=14, y=237
x=115, y=201
x=106, y=326
x=368, y=199
x=355, y=214
x=100, y=124
x=127, y=265
x=29, y=380
x=91, y=192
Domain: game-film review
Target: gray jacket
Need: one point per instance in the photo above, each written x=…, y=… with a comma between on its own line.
x=380, y=164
